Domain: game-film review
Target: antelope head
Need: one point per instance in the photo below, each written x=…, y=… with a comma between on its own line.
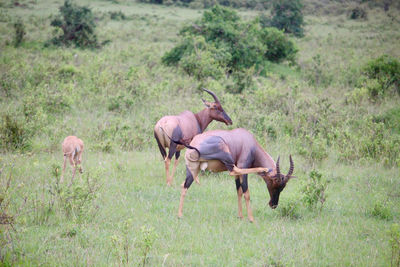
x=278, y=182
x=216, y=111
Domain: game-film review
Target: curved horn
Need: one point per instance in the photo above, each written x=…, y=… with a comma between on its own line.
x=291, y=167
x=213, y=95
x=278, y=171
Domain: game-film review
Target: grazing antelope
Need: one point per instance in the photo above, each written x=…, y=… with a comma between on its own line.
x=72, y=148
x=184, y=127
x=238, y=152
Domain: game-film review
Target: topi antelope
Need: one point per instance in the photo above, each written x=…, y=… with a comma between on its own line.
x=184, y=127
x=238, y=152
x=72, y=148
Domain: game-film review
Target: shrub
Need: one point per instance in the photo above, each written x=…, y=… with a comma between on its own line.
x=381, y=211
x=279, y=47
x=13, y=134
x=287, y=16
x=289, y=210
x=314, y=190
x=221, y=43
x=358, y=13
x=381, y=75
x=20, y=32
x=77, y=24
x=117, y=15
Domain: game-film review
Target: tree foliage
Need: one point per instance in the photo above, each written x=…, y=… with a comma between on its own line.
x=77, y=25
x=287, y=16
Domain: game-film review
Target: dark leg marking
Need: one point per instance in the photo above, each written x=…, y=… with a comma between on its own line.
x=162, y=149
x=237, y=181
x=177, y=154
x=172, y=150
x=189, y=179
x=244, y=184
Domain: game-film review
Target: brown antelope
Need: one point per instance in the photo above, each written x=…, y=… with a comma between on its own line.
x=184, y=127
x=72, y=148
x=238, y=152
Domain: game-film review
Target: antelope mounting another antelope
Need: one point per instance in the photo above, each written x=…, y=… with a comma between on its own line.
x=72, y=148
x=238, y=152
x=184, y=127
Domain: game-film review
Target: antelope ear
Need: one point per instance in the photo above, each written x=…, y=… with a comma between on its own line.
x=207, y=104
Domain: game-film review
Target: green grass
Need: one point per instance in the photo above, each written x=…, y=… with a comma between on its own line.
x=133, y=187
x=112, y=97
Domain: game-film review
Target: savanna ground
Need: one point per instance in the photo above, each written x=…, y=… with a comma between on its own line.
x=120, y=211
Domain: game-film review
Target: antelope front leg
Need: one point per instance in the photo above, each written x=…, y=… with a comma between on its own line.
x=183, y=194
x=237, y=171
x=249, y=211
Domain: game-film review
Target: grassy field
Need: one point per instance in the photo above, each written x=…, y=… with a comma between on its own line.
x=120, y=211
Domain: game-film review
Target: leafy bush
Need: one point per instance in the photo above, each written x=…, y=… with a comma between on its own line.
x=381, y=211
x=117, y=15
x=381, y=75
x=13, y=134
x=289, y=209
x=279, y=47
x=20, y=32
x=287, y=16
x=358, y=13
x=221, y=43
x=77, y=24
x=314, y=190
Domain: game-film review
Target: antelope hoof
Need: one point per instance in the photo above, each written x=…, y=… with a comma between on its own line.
x=251, y=219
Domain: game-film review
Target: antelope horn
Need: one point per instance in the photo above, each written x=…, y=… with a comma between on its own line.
x=213, y=95
x=278, y=171
x=291, y=167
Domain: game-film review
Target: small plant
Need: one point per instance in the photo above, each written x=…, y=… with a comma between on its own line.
x=76, y=201
x=289, y=209
x=77, y=24
x=358, y=13
x=394, y=241
x=117, y=15
x=13, y=134
x=314, y=190
x=381, y=211
x=20, y=32
x=146, y=241
x=121, y=243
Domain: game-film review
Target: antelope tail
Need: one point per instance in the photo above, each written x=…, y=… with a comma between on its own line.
x=180, y=142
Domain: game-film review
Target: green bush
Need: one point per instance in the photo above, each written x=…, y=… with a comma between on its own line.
x=381, y=75
x=289, y=209
x=13, y=134
x=287, y=16
x=20, y=32
x=279, y=47
x=381, y=211
x=358, y=13
x=314, y=190
x=221, y=43
x=77, y=25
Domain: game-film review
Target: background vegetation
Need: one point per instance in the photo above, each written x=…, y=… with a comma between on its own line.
x=333, y=105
